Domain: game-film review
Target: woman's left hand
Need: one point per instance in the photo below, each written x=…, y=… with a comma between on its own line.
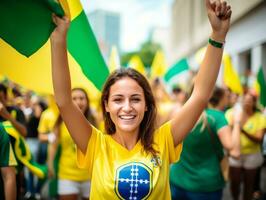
x=219, y=14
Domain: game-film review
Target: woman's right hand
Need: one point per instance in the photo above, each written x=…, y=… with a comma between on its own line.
x=62, y=25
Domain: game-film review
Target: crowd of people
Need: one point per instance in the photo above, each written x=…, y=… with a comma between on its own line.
x=145, y=143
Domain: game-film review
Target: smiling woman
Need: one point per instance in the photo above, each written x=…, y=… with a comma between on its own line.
x=131, y=161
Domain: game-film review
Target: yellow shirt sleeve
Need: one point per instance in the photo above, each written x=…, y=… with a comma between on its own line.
x=86, y=161
x=164, y=139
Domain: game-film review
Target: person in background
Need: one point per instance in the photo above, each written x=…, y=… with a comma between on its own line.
x=7, y=166
x=72, y=181
x=252, y=124
x=37, y=106
x=14, y=115
x=11, y=113
x=197, y=176
x=46, y=136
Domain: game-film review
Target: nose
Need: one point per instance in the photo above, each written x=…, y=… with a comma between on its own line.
x=127, y=106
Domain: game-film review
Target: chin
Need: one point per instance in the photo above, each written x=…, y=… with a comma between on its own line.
x=127, y=129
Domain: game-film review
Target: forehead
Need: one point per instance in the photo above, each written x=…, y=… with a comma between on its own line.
x=126, y=86
x=78, y=93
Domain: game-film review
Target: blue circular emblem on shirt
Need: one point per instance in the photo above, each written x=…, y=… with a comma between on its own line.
x=133, y=181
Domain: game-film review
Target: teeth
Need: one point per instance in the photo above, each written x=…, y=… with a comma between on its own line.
x=127, y=117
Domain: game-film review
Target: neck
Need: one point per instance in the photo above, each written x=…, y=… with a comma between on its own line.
x=126, y=139
x=219, y=107
x=249, y=111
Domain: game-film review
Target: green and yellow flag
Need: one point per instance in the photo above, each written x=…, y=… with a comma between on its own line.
x=22, y=152
x=25, y=55
x=260, y=87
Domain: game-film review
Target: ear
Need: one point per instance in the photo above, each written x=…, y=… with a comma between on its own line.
x=106, y=106
x=146, y=109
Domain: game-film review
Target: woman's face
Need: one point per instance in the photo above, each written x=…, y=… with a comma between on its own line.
x=126, y=105
x=79, y=98
x=248, y=101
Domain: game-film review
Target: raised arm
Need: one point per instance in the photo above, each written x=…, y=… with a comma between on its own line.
x=76, y=123
x=219, y=17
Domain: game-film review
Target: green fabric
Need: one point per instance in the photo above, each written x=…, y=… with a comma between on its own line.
x=4, y=155
x=82, y=45
x=27, y=24
x=180, y=66
x=22, y=152
x=262, y=83
x=198, y=169
x=4, y=147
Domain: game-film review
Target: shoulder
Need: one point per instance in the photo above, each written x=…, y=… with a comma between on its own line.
x=166, y=127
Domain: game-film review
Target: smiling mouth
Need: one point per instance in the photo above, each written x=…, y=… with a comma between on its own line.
x=127, y=117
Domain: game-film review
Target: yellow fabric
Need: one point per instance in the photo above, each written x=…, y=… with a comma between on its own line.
x=114, y=60
x=73, y=7
x=24, y=159
x=158, y=67
x=68, y=168
x=107, y=161
x=231, y=78
x=12, y=159
x=136, y=63
x=254, y=124
x=47, y=121
x=36, y=71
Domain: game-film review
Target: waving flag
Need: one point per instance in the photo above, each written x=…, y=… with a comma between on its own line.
x=114, y=60
x=136, y=63
x=158, y=67
x=231, y=78
x=178, y=74
x=22, y=152
x=25, y=49
x=260, y=86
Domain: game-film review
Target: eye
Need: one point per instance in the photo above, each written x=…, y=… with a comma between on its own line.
x=117, y=100
x=136, y=99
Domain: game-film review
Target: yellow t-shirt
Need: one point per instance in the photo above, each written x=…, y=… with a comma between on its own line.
x=118, y=173
x=47, y=121
x=254, y=124
x=68, y=168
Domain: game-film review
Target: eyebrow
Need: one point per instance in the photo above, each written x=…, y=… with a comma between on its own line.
x=120, y=95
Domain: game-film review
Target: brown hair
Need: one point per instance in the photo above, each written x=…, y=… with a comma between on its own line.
x=147, y=126
x=88, y=114
x=217, y=95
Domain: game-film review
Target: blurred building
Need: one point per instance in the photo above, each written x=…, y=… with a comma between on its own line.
x=161, y=35
x=245, y=42
x=106, y=27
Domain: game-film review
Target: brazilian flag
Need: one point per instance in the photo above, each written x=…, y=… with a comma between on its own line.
x=22, y=152
x=25, y=56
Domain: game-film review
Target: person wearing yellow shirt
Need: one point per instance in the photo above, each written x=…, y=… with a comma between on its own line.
x=72, y=181
x=252, y=124
x=132, y=159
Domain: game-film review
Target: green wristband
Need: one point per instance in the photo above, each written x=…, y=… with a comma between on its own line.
x=216, y=44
